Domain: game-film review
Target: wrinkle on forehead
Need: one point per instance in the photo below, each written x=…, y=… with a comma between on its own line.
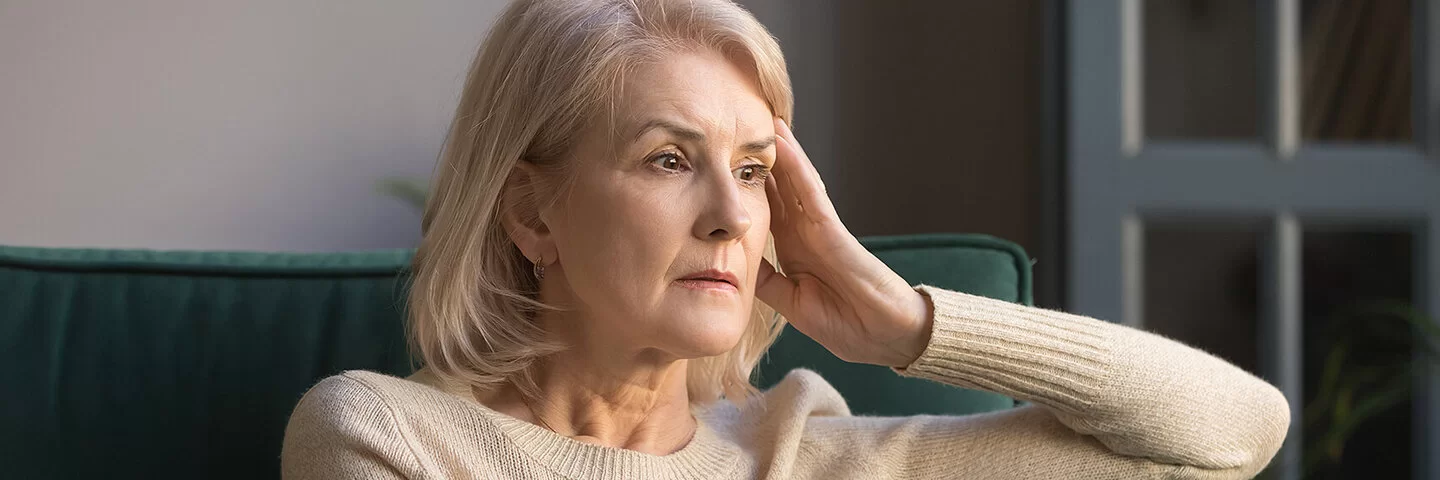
x=659, y=89
x=716, y=105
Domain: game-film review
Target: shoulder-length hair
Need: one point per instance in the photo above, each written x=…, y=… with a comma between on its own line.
x=547, y=69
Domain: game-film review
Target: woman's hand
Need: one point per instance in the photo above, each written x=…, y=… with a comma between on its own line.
x=834, y=290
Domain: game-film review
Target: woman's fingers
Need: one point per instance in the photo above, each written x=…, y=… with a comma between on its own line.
x=777, y=205
x=774, y=288
x=806, y=192
x=783, y=130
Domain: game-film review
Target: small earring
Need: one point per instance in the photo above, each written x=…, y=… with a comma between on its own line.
x=538, y=268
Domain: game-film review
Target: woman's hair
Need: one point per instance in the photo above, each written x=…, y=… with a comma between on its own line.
x=548, y=70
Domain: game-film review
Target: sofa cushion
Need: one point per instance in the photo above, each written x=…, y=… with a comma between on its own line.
x=123, y=363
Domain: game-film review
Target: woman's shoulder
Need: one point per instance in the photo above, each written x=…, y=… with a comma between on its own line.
x=369, y=408
x=353, y=408
x=365, y=389
x=807, y=391
x=340, y=398
x=368, y=415
x=357, y=386
x=788, y=405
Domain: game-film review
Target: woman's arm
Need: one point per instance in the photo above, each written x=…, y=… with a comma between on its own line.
x=1142, y=396
x=1170, y=409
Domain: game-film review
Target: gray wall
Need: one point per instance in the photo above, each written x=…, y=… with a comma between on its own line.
x=259, y=125
x=264, y=124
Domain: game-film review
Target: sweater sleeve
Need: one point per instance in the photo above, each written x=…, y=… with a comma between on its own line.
x=342, y=429
x=1156, y=407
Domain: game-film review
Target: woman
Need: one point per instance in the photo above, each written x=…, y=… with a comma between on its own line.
x=585, y=295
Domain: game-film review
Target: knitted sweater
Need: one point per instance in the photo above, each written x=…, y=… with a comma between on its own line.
x=1108, y=401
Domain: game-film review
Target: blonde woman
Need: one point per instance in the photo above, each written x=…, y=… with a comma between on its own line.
x=616, y=192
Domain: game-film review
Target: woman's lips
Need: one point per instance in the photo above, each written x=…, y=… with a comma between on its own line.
x=707, y=285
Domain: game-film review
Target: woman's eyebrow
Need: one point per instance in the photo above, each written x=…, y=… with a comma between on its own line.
x=684, y=132
x=759, y=145
x=687, y=133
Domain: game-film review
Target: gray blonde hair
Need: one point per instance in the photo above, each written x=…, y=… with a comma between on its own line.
x=547, y=68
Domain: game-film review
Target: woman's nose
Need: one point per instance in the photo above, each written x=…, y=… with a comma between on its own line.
x=723, y=215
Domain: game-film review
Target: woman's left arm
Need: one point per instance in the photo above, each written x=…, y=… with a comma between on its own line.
x=1141, y=395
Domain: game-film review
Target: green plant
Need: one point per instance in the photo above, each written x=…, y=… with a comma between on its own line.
x=409, y=190
x=1357, y=385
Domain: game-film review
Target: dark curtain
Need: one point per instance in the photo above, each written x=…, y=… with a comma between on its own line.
x=1356, y=76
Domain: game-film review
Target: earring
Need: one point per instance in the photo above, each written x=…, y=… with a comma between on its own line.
x=538, y=268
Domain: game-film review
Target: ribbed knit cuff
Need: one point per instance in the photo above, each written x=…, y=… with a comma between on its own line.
x=1047, y=357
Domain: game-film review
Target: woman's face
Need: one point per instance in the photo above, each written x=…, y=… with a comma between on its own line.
x=675, y=190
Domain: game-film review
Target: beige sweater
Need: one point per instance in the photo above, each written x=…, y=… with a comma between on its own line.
x=1109, y=402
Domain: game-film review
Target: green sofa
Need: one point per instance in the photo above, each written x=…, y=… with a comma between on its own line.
x=144, y=364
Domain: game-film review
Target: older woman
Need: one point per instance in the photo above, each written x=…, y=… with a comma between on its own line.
x=619, y=187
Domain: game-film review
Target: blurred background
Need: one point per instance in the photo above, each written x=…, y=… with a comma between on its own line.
x=1256, y=178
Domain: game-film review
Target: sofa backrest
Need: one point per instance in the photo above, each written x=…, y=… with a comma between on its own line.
x=126, y=363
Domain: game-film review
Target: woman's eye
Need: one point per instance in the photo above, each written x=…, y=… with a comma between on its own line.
x=668, y=161
x=752, y=173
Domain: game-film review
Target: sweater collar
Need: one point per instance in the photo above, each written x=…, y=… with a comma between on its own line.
x=708, y=455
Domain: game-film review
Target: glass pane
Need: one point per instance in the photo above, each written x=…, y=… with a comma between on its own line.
x=1200, y=288
x=1355, y=57
x=1351, y=281
x=1200, y=61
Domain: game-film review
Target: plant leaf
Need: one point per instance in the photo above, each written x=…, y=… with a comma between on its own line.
x=410, y=190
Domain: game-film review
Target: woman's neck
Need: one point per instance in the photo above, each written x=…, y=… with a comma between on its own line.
x=641, y=405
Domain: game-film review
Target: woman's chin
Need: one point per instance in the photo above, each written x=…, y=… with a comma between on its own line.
x=707, y=335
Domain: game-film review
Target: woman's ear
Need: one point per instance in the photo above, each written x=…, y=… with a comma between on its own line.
x=520, y=204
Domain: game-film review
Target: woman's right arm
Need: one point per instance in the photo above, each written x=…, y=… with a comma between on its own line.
x=343, y=430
